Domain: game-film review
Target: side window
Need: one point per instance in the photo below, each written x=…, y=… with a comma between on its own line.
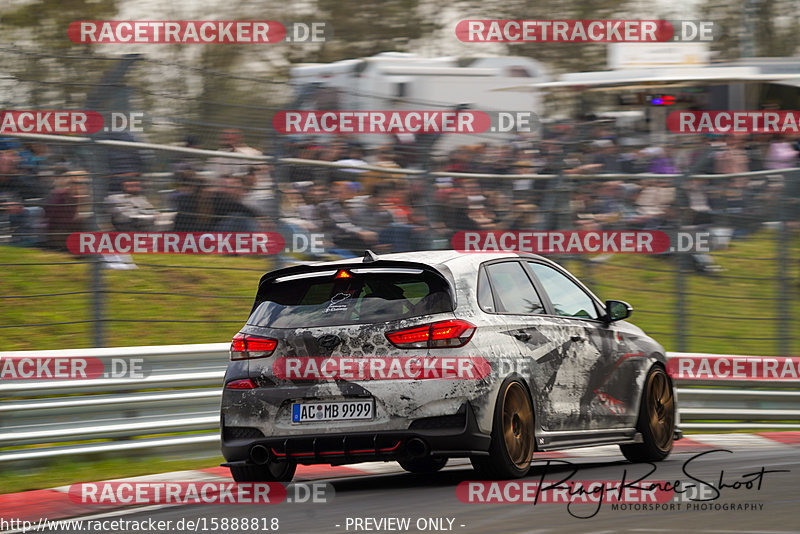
x=485, y=300
x=513, y=290
x=567, y=297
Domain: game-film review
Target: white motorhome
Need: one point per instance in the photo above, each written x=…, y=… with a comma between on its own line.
x=395, y=81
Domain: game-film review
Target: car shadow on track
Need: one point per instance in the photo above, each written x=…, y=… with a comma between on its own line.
x=452, y=476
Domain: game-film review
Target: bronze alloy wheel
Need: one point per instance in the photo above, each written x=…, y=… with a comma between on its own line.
x=511, y=447
x=518, y=425
x=660, y=410
x=656, y=421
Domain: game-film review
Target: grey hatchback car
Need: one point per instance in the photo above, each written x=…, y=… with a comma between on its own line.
x=423, y=356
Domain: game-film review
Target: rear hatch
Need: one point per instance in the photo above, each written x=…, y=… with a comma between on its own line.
x=346, y=311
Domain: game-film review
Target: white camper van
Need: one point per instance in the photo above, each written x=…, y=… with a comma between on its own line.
x=394, y=81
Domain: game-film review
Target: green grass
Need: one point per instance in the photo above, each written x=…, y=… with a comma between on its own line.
x=68, y=471
x=202, y=295
x=647, y=282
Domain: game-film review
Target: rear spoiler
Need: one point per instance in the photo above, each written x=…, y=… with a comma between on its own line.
x=439, y=270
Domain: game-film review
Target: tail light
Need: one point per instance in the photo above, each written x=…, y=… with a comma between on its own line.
x=243, y=383
x=246, y=347
x=441, y=334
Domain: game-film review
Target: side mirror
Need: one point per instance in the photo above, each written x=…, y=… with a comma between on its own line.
x=617, y=310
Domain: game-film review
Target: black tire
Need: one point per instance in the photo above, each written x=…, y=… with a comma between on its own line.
x=511, y=447
x=269, y=472
x=656, y=420
x=424, y=465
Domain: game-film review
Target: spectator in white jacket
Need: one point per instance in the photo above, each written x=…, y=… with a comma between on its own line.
x=130, y=210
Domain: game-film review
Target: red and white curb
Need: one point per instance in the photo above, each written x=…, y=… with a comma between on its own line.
x=55, y=503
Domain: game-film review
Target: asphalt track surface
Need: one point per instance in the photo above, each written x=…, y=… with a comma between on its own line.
x=403, y=495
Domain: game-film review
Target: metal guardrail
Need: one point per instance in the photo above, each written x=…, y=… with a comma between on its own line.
x=175, y=407
x=165, y=367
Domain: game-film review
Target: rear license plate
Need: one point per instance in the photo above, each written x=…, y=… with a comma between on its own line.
x=307, y=412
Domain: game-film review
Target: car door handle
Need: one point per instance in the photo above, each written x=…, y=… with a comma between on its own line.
x=522, y=335
x=576, y=338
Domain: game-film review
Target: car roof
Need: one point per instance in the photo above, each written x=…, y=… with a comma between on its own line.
x=453, y=259
x=449, y=263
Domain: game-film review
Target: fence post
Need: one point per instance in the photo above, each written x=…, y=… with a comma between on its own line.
x=682, y=266
x=784, y=327
x=683, y=261
x=98, y=173
x=110, y=95
x=433, y=214
x=98, y=297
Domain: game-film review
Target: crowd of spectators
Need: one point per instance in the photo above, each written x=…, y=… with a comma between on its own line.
x=44, y=197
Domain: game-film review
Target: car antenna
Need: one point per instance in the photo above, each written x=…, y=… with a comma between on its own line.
x=369, y=256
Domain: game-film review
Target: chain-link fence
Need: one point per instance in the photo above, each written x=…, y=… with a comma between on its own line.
x=219, y=168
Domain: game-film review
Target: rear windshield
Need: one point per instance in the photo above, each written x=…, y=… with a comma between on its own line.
x=377, y=295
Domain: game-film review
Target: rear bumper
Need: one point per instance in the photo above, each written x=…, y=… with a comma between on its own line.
x=440, y=436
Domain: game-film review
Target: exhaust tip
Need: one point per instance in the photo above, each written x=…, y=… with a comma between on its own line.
x=416, y=448
x=259, y=454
